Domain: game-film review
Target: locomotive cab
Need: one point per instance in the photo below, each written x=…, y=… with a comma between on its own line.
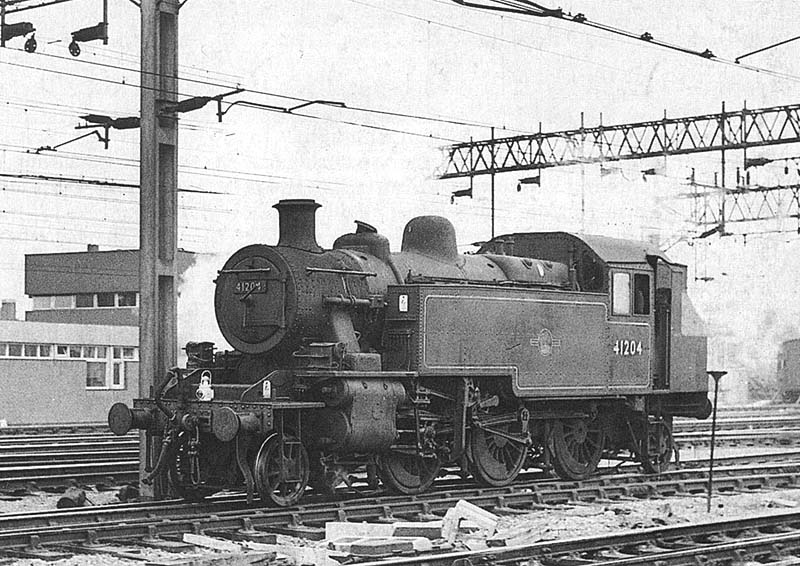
x=645, y=296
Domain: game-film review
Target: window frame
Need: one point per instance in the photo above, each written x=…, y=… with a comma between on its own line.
x=109, y=297
x=132, y=294
x=91, y=364
x=119, y=367
x=37, y=300
x=70, y=299
x=617, y=300
x=85, y=295
x=647, y=298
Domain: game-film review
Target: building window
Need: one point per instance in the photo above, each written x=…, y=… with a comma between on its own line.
x=126, y=299
x=75, y=352
x=95, y=375
x=105, y=299
x=118, y=375
x=62, y=351
x=128, y=353
x=84, y=301
x=641, y=294
x=42, y=303
x=63, y=301
x=621, y=299
x=25, y=350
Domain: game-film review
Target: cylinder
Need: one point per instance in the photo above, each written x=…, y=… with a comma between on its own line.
x=227, y=423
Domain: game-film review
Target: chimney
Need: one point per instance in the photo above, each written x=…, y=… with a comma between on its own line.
x=297, y=224
x=8, y=310
x=92, y=248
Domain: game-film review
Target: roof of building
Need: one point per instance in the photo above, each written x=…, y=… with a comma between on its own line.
x=88, y=272
x=19, y=331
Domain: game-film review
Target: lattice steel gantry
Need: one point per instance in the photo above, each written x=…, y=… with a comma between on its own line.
x=722, y=131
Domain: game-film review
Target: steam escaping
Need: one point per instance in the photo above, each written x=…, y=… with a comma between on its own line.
x=196, y=319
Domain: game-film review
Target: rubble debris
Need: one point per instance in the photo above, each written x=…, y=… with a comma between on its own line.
x=339, y=529
x=298, y=555
x=516, y=536
x=784, y=503
x=426, y=529
x=128, y=493
x=465, y=515
x=73, y=497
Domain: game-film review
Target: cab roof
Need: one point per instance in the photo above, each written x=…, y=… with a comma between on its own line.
x=555, y=246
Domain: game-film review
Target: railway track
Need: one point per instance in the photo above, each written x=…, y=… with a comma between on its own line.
x=50, y=457
x=51, y=460
x=765, y=539
x=147, y=521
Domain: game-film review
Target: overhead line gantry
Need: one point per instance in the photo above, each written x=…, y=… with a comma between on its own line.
x=722, y=131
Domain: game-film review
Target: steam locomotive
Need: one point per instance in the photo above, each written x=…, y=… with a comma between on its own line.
x=541, y=349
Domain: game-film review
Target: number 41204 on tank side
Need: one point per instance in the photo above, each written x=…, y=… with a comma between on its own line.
x=543, y=350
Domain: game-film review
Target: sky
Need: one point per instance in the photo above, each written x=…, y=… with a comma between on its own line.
x=470, y=70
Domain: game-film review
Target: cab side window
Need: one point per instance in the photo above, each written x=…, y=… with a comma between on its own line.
x=621, y=293
x=641, y=294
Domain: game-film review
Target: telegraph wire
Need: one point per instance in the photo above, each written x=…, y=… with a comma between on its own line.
x=95, y=220
x=94, y=198
x=57, y=109
x=640, y=39
x=93, y=182
x=135, y=70
x=346, y=122
x=229, y=174
x=96, y=182
x=131, y=58
x=412, y=116
x=357, y=108
x=134, y=235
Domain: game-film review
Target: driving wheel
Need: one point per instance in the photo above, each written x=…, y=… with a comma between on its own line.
x=408, y=473
x=576, y=447
x=495, y=460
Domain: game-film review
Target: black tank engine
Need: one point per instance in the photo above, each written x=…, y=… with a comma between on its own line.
x=541, y=349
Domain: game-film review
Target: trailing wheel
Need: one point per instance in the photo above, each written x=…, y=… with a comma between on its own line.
x=281, y=470
x=495, y=455
x=656, y=447
x=576, y=446
x=408, y=473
